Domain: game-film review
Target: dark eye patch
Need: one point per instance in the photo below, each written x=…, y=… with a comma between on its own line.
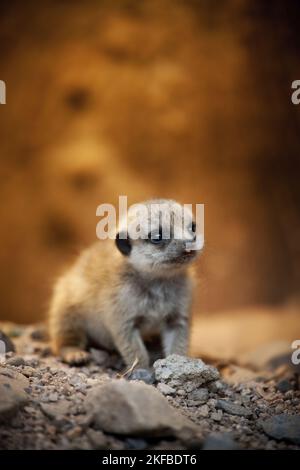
x=123, y=243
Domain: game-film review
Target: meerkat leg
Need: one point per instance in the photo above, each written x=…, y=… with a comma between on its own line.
x=68, y=336
x=175, y=337
x=129, y=342
x=74, y=356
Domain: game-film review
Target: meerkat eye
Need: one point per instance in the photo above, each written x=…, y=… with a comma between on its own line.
x=155, y=237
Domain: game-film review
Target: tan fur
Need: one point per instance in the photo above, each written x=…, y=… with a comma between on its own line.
x=105, y=299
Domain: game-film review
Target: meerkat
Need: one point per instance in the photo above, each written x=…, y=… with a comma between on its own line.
x=121, y=292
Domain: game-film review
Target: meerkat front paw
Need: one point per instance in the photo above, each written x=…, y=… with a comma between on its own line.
x=75, y=356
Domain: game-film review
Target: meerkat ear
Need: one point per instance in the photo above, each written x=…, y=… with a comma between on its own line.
x=123, y=243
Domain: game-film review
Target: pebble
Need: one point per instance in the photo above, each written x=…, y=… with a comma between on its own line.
x=56, y=411
x=217, y=415
x=166, y=389
x=12, y=393
x=283, y=427
x=74, y=432
x=184, y=372
x=212, y=402
x=199, y=396
x=15, y=361
x=279, y=409
x=220, y=442
x=47, y=377
x=136, y=444
x=284, y=386
x=144, y=375
x=246, y=400
x=53, y=397
x=30, y=410
x=97, y=439
x=203, y=411
x=217, y=386
x=32, y=362
x=28, y=371
x=233, y=408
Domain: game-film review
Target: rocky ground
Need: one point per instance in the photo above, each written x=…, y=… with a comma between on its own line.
x=185, y=404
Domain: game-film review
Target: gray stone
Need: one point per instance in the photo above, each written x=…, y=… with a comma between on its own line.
x=283, y=427
x=165, y=389
x=32, y=362
x=212, y=402
x=12, y=393
x=28, y=371
x=199, y=396
x=80, y=443
x=217, y=415
x=184, y=372
x=189, y=439
x=216, y=387
x=203, y=411
x=284, y=386
x=74, y=432
x=15, y=361
x=136, y=443
x=56, y=411
x=75, y=380
x=134, y=408
x=144, y=375
x=220, y=442
x=53, y=397
x=233, y=408
x=97, y=439
x=78, y=382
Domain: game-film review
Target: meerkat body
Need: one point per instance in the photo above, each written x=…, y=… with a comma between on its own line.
x=119, y=293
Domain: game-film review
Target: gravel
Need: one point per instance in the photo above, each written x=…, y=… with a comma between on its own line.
x=283, y=427
x=233, y=408
x=46, y=404
x=144, y=375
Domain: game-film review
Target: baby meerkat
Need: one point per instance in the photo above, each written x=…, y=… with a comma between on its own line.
x=121, y=292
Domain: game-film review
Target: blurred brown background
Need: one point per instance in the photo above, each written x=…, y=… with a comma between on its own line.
x=170, y=98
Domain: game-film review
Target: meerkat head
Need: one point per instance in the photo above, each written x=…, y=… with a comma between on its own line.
x=158, y=237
